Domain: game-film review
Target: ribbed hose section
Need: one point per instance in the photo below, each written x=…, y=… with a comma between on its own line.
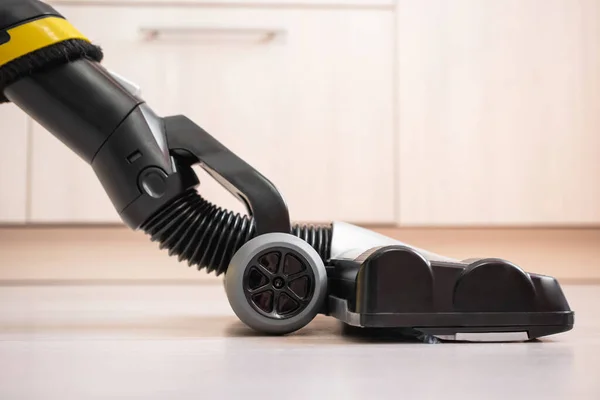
x=208, y=236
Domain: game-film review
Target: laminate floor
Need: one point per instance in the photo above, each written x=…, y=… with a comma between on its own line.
x=183, y=342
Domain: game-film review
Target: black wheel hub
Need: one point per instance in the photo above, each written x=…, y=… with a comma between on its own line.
x=279, y=283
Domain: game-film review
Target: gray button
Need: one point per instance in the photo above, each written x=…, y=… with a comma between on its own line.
x=153, y=181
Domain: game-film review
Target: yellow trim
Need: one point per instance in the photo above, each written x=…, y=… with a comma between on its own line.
x=35, y=35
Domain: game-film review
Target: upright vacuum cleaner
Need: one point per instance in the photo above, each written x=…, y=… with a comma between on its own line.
x=278, y=275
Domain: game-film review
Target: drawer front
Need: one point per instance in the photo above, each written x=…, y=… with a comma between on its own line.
x=304, y=95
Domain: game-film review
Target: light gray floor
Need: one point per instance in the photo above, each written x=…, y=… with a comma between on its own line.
x=166, y=342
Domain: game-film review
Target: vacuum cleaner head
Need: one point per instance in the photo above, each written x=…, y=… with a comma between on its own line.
x=374, y=281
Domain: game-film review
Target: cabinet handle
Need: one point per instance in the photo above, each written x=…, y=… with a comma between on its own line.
x=264, y=34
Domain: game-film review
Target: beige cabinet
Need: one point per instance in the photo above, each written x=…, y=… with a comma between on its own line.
x=13, y=166
x=303, y=94
x=64, y=189
x=499, y=116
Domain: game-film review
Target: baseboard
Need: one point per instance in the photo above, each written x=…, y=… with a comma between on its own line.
x=116, y=254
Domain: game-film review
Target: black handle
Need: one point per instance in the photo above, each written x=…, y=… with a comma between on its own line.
x=263, y=201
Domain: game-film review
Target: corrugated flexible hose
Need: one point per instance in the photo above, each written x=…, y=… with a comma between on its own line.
x=207, y=236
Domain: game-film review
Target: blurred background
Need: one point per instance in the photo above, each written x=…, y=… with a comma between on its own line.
x=467, y=127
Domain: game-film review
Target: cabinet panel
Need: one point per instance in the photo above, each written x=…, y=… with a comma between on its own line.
x=305, y=96
x=13, y=169
x=64, y=188
x=499, y=113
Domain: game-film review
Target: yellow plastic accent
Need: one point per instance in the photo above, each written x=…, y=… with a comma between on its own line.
x=35, y=35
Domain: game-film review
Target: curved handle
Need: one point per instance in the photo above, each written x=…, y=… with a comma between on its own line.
x=262, y=199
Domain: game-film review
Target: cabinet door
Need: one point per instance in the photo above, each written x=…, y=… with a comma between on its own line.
x=303, y=95
x=499, y=121
x=13, y=166
x=64, y=188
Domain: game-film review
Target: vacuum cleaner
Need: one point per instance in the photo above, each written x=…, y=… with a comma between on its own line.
x=278, y=275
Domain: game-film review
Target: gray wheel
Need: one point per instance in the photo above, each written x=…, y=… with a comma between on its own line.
x=276, y=283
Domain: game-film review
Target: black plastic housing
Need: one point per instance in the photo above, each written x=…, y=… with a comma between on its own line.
x=112, y=130
x=136, y=169
x=80, y=103
x=397, y=287
x=14, y=12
